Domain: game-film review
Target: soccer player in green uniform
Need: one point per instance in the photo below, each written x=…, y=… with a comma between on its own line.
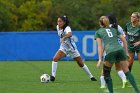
x=114, y=24
x=115, y=53
x=132, y=30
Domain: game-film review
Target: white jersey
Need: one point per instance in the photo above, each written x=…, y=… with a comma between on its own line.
x=122, y=33
x=68, y=46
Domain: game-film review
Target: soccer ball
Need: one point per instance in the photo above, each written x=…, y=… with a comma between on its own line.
x=45, y=78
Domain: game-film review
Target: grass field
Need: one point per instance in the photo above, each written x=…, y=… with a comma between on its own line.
x=23, y=77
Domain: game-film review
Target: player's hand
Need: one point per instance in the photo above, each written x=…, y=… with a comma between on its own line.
x=99, y=64
x=137, y=43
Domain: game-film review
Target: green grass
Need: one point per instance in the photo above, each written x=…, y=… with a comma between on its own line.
x=23, y=77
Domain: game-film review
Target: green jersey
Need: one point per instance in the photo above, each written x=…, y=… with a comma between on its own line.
x=133, y=34
x=109, y=36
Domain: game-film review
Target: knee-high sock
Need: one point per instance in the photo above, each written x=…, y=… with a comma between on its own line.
x=102, y=81
x=109, y=84
x=107, y=77
x=54, y=68
x=132, y=80
x=122, y=75
x=85, y=68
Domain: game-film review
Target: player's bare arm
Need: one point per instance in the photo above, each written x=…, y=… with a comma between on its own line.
x=100, y=51
x=66, y=36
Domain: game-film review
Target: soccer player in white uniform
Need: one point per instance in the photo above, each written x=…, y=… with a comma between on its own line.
x=67, y=47
x=114, y=24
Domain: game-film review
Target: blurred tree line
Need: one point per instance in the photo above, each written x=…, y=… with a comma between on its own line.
x=41, y=15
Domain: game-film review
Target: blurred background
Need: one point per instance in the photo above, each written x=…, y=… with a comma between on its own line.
x=41, y=15
x=29, y=40
x=28, y=27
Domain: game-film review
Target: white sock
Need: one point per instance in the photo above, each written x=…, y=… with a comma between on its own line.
x=54, y=68
x=85, y=68
x=122, y=75
x=102, y=81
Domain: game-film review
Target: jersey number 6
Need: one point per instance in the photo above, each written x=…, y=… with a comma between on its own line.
x=109, y=33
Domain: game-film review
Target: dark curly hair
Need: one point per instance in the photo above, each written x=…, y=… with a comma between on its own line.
x=113, y=20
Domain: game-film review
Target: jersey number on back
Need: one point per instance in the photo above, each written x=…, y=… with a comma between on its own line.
x=109, y=33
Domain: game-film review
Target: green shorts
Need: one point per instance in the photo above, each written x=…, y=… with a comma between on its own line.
x=116, y=56
x=134, y=49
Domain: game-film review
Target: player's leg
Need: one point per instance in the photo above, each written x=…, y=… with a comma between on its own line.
x=138, y=53
x=129, y=75
x=138, y=57
x=102, y=80
x=131, y=60
x=59, y=54
x=106, y=72
x=121, y=74
x=79, y=61
x=84, y=66
x=76, y=56
x=122, y=59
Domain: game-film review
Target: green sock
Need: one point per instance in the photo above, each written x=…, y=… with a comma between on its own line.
x=109, y=85
x=132, y=80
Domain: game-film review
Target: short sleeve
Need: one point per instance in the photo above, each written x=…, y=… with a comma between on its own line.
x=125, y=27
x=97, y=35
x=120, y=30
x=68, y=29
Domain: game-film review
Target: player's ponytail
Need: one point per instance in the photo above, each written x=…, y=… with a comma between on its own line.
x=104, y=21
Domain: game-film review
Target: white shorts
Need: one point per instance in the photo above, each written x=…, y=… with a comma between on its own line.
x=72, y=53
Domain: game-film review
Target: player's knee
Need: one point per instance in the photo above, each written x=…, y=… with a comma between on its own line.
x=118, y=67
x=131, y=60
x=106, y=73
x=55, y=59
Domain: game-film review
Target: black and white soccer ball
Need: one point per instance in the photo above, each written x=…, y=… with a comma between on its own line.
x=45, y=78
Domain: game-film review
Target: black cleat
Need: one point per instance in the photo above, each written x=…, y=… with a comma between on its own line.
x=93, y=79
x=52, y=78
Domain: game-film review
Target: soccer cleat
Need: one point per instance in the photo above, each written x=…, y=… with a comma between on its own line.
x=103, y=86
x=93, y=79
x=125, y=83
x=52, y=78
